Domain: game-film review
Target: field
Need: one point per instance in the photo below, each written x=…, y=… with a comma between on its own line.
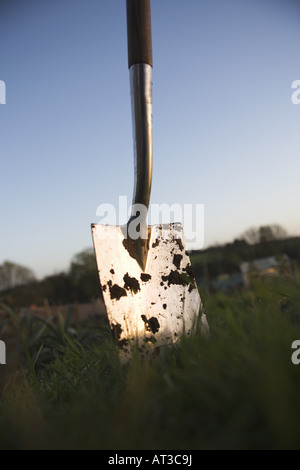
x=64, y=387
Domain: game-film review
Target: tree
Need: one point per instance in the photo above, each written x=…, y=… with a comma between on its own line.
x=83, y=274
x=12, y=275
x=278, y=232
x=266, y=233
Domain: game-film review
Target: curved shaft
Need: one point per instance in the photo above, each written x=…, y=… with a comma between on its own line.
x=141, y=104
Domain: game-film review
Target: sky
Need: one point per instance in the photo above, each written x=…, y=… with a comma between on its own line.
x=225, y=129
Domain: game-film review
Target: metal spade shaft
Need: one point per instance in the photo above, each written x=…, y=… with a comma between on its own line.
x=140, y=69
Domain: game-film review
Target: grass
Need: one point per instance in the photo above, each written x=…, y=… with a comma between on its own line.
x=237, y=389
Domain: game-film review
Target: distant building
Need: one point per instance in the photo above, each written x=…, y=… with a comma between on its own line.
x=270, y=266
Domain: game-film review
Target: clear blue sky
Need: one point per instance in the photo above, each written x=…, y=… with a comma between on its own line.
x=226, y=133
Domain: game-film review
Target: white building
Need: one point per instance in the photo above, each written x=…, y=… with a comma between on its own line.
x=270, y=266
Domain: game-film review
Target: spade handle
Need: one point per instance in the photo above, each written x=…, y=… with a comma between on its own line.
x=139, y=32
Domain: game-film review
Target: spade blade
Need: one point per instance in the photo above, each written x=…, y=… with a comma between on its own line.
x=152, y=307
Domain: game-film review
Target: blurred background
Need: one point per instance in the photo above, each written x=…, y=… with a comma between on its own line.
x=226, y=133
